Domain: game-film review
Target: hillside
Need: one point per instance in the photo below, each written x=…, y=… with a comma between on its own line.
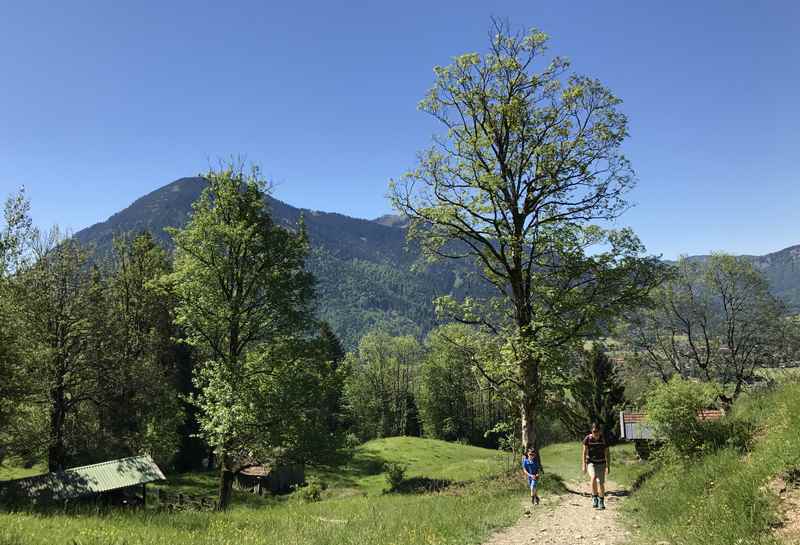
x=782, y=270
x=363, y=268
x=728, y=496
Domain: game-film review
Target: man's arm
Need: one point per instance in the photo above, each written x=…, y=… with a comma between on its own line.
x=583, y=458
x=608, y=460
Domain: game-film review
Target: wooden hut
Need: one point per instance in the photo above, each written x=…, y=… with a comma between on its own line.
x=278, y=479
x=120, y=481
x=633, y=426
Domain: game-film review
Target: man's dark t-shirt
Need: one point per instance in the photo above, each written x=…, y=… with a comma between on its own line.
x=595, y=449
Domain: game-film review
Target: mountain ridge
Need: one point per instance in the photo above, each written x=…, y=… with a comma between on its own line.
x=367, y=274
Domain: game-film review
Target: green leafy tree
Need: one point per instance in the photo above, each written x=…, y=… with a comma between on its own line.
x=16, y=236
x=331, y=355
x=713, y=320
x=139, y=409
x=455, y=401
x=243, y=298
x=381, y=385
x=595, y=393
x=60, y=299
x=529, y=165
x=673, y=408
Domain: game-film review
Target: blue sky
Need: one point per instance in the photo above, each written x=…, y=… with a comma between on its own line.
x=102, y=102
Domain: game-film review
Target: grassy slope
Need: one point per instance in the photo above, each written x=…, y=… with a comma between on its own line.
x=721, y=499
x=564, y=459
x=354, y=509
x=8, y=472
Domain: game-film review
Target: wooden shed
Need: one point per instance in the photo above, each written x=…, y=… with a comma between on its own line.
x=118, y=481
x=279, y=479
x=633, y=426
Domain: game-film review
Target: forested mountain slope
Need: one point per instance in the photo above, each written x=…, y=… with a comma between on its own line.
x=364, y=270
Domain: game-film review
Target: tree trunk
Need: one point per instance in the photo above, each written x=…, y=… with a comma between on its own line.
x=225, y=483
x=528, y=418
x=529, y=404
x=55, y=449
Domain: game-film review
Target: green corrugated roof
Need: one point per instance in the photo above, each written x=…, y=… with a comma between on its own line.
x=91, y=479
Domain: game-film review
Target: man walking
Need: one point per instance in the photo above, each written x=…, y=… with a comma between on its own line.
x=596, y=460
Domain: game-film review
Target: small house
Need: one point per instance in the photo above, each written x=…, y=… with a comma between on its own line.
x=260, y=479
x=633, y=426
x=120, y=481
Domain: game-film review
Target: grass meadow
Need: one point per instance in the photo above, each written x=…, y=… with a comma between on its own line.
x=724, y=498
x=484, y=493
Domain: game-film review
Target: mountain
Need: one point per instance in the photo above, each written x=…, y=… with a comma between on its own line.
x=366, y=276
x=782, y=271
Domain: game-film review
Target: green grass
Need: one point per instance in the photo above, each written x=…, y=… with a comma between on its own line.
x=354, y=509
x=564, y=459
x=722, y=499
x=364, y=474
x=10, y=471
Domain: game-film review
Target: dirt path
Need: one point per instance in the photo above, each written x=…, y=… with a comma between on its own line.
x=568, y=520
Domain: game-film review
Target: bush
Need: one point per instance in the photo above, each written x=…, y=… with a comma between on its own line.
x=313, y=490
x=351, y=441
x=672, y=411
x=395, y=475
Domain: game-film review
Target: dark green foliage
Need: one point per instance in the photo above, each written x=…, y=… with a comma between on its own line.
x=382, y=380
x=365, y=274
x=594, y=393
x=456, y=402
x=16, y=235
x=60, y=298
x=395, y=475
x=138, y=409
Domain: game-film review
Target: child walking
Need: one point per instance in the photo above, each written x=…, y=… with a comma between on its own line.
x=532, y=468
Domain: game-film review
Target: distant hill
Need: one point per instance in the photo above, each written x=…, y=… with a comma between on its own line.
x=782, y=270
x=364, y=272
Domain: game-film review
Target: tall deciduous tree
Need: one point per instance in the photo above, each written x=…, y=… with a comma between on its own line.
x=16, y=236
x=455, y=400
x=381, y=385
x=243, y=293
x=60, y=298
x=715, y=320
x=529, y=164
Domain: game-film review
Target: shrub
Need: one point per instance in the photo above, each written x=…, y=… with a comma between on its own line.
x=313, y=490
x=351, y=441
x=395, y=475
x=672, y=410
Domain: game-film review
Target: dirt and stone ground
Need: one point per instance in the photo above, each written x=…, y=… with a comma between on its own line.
x=568, y=520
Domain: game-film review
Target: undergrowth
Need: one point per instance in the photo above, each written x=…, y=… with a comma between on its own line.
x=722, y=498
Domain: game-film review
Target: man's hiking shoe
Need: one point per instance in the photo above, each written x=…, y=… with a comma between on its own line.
x=595, y=501
x=601, y=503
x=533, y=500
x=537, y=500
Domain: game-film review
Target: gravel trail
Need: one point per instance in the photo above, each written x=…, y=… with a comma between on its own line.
x=568, y=520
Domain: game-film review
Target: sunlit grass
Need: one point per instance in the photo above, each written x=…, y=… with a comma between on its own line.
x=722, y=499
